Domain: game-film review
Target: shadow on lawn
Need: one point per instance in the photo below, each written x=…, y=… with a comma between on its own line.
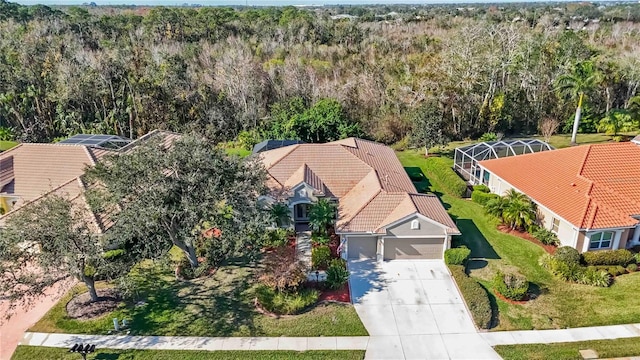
x=422, y=183
x=474, y=240
x=217, y=305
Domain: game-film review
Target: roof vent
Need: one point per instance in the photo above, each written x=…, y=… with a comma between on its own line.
x=573, y=184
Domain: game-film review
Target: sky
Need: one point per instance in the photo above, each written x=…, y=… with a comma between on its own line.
x=256, y=2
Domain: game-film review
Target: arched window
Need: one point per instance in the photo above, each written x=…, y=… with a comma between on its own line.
x=415, y=225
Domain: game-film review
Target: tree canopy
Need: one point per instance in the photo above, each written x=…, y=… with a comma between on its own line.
x=189, y=194
x=52, y=239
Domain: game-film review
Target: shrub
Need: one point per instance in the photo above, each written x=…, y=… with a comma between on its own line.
x=275, y=238
x=482, y=188
x=318, y=239
x=281, y=271
x=338, y=263
x=621, y=270
x=320, y=257
x=511, y=286
x=285, y=303
x=439, y=170
x=636, y=257
x=546, y=237
x=594, y=277
x=482, y=197
x=457, y=256
x=620, y=257
x=567, y=255
x=632, y=267
x=113, y=254
x=475, y=295
x=187, y=272
x=571, y=271
x=490, y=136
x=337, y=274
x=614, y=270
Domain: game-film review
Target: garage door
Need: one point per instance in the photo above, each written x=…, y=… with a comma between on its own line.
x=413, y=248
x=362, y=247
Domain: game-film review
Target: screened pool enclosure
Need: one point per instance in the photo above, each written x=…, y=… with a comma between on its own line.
x=467, y=157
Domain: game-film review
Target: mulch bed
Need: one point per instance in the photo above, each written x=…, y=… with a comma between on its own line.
x=340, y=295
x=521, y=302
x=525, y=235
x=81, y=308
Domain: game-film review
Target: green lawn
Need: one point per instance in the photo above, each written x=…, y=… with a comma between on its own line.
x=558, y=304
x=241, y=152
x=6, y=145
x=220, y=305
x=557, y=141
x=37, y=352
x=565, y=351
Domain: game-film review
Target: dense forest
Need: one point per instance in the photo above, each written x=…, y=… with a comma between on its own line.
x=384, y=73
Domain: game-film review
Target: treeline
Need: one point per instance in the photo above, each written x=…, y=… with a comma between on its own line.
x=289, y=72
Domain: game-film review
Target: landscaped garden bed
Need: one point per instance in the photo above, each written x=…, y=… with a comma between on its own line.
x=217, y=305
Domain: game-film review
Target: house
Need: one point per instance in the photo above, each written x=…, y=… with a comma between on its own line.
x=380, y=214
x=30, y=171
x=588, y=195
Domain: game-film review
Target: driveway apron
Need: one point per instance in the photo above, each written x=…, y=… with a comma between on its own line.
x=413, y=310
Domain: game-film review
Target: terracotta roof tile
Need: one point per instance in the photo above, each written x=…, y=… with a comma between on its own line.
x=371, y=185
x=591, y=186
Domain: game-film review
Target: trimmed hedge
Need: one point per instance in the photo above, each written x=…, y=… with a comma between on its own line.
x=439, y=171
x=482, y=188
x=457, y=256
x=619, y=257
x=567, y=255
x=482, y=197
x=475, y=295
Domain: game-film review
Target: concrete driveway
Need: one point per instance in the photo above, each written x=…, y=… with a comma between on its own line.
x=413, y=310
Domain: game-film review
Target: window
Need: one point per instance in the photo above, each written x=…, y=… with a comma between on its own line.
x=601, y=240
x=555, y=225
x=485, y=177
x=415, y=225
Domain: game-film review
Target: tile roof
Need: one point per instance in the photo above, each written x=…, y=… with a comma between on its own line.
x=372, y=186
x=30, y=171
x=591, y=186
x=39, y=168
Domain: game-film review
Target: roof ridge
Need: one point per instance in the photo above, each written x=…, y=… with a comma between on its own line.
x=293, y=147
x=40, y=197
x=92, y=157
x=584, y=161
x=362, y=207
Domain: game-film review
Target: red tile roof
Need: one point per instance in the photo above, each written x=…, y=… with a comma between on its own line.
x=371, y=184
x=592, y=186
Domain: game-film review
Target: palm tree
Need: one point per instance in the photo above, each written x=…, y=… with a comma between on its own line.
x=495, y=207
x=583, y=78
x=321, y=215
x=280, y=214
x=513, y=195
x=519, y=214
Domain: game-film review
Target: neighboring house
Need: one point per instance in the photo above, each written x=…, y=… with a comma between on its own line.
x=588, y=195
x=31, y=171
x=380, y=215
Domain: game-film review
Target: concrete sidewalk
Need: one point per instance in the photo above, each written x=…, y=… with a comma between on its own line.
x=561, y=335
x=197, y=343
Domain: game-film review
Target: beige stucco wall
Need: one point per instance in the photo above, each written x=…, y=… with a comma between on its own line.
x=426, y=228
x=566, y=232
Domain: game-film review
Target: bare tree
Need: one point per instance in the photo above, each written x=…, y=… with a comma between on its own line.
x=548, y=126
